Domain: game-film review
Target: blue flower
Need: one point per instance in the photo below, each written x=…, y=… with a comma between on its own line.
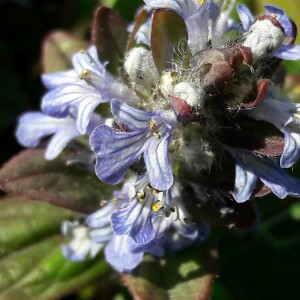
x=81, y=246
x=34, y=126
x=116, y=151
x=251, y=168
x=100, y=223
x=81, y=90
x=286, y=51
x=174, y=228
x=135, y=218
x=120, y=253
x=284, y=115
x=120, y=249
x=205, y=23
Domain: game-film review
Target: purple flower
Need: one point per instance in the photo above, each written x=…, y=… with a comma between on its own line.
x=116, y=151
x=81, y=244
x=81, y=90
x=135, y=218
x=286, y=51
x=284, y=115
x=100, y=224
x=120, y=253
x=184, y=8
x=205, y=24
x=34, y=126
x=174, y=228
x=251, y=168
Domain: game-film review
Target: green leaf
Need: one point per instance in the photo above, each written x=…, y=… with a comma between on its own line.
x=164, y=37
x=30, y=176
x=58, y=49
x=109, y=34
x=188, y=273
x=264, y=264
x=31, y=263
x=126, y=9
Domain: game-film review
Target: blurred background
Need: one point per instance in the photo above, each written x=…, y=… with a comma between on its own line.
x=260, y=265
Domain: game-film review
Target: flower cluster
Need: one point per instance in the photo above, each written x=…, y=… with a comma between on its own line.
x=196, y=116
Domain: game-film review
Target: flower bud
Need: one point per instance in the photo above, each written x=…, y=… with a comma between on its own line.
x=140, y=67
x=188, y=92
x=264, y=37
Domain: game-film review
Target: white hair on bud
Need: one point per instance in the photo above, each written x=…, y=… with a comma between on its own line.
x=189, y=93
x=263, y=39
x=141, y=69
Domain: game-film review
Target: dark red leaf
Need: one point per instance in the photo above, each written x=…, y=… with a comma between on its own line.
x=168, y=30
x=30, y=176
x=109, y=34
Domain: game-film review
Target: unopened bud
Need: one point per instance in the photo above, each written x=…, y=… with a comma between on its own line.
x=140, y=67
x=264, y=37
x=188, y=92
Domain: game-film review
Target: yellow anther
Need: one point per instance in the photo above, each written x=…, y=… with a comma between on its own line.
x=201, y=2
x=115, y=201
x=157, y=134
x=149, y=187
x=141, y=196
x=157, y=206
x=152, y=124
x=155, y=192
x=81, y=51
x=85, y=74
x=102, y=203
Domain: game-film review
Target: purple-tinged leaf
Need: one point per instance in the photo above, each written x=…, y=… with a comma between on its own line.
x=30, y=176
x=140, y=18
x=109, y=34
x=269, y=142
x=168, y=30
x=189, y=272
x=58, y=49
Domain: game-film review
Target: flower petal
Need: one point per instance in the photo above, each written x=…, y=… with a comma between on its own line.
x=115, y=152
x=53, y=80
x=101, y=217
x=119, y=254
x=197, y=26
x=183, y=8
x=133, y=118
x=245, y=181
x=278, y=181
x=59, y=141
x=34, y=126
x=245, y=16
x=288, y=52
x=282, y=18
x=157, y=163
x=102, y=235
x=143, y=34
x=134, y=221
x=268, y=172
x=88, y=60
x=291, y=150
x=58, y=102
